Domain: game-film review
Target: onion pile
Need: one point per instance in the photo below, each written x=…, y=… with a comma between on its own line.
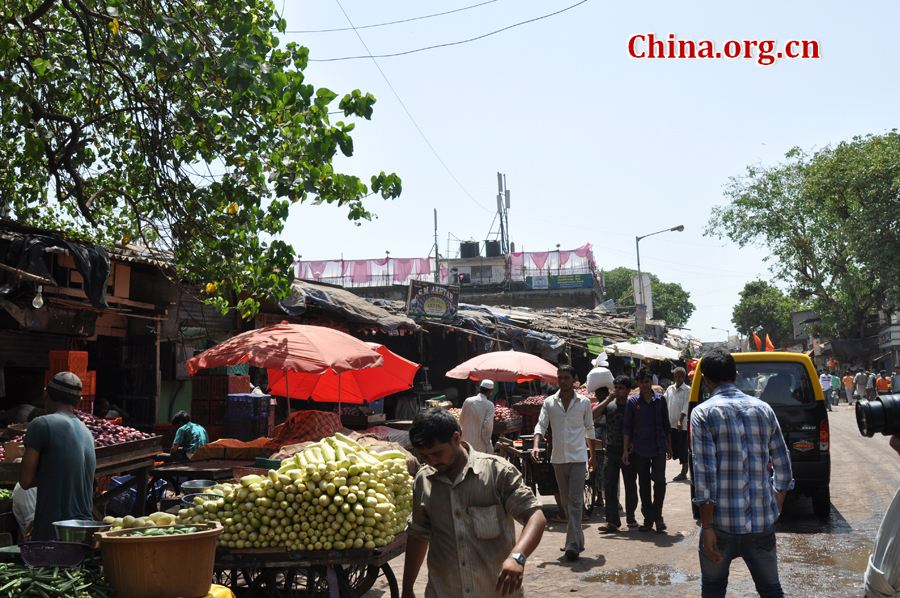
x=455, y=412
x=583, y=392
x=505, y=414
x=106, y=433
x=535, y=400
x=333, y=495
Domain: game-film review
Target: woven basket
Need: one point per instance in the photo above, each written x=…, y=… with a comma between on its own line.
x=53, y=554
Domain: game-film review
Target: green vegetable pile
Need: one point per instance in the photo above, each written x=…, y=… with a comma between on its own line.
x=20, y=580
x=162, y=531
x=5, y=494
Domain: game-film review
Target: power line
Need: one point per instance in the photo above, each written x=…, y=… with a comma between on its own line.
x=439, y=14
x=465, y=41
x=396, y=95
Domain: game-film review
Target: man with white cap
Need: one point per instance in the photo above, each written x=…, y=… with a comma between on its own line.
x=477, y=419
x=59, y=459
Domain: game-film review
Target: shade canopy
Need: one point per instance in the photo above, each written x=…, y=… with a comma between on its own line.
x=643, y=351
x=505, y=366
x=353, y=386
x=293, y=348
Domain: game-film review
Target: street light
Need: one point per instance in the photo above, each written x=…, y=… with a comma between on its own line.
x=637, y=244
x=725, y=330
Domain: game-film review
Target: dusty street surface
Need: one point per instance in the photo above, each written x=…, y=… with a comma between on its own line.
x=821, y=559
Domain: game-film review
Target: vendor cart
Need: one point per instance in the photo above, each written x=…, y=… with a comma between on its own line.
x=277, y=573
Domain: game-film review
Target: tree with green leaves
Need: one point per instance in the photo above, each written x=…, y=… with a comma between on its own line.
x=811, y=250
x=765, y=309
x=181, y=126
x=670, y=301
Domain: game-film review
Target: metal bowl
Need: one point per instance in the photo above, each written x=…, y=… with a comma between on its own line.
x=194, y=486
x=82, y=532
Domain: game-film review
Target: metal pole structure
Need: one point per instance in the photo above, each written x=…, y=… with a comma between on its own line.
x=637, y=245
x=437, y=264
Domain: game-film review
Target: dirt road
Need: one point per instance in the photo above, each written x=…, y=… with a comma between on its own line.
x=817, y=559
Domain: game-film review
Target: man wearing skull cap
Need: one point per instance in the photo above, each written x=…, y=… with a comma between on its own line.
x=59, y=459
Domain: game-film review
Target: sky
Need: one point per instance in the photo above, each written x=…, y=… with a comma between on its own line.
x=597, y=146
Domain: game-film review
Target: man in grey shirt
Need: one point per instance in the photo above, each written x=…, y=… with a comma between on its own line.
x=59, y=459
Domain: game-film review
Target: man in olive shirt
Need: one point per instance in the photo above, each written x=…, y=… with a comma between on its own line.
x=464, y=504
x=59, y=459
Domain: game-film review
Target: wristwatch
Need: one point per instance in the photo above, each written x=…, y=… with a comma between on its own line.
x=518, y=557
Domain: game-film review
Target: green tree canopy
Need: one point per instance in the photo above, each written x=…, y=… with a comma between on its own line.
x=764, y=309
x=180, y=125
x=670, y=302
x=777, y=208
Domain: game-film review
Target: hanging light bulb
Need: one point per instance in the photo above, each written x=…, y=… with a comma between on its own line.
x=38, y=298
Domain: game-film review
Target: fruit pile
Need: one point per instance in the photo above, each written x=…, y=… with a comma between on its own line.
x=333, y=495
x=505, y=414
x=106, y=433
x=535, y=400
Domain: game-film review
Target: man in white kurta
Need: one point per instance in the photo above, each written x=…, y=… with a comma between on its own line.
x=477, y=419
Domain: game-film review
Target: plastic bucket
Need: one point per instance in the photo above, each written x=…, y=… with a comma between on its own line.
x=160, y=566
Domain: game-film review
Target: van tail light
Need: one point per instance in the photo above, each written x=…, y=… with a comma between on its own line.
x=824, y=440
x=690, y=450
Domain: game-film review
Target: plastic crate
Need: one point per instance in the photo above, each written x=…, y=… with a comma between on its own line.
x=241, y=369
x=215, y=433
x=247, y=428
x=69, y=361
x=88, y=383
x=200, y=413
x=248, y=405
x=217, y=388
x=86, y=404
x=217, y=412
x=167, y=431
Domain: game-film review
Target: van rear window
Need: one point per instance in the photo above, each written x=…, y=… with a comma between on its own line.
x=778, y=383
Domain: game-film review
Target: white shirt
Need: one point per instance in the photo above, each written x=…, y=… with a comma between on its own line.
x=825, y=381
x=477, y=422
x=570, y=428
x=24, y=503
x=677, y=402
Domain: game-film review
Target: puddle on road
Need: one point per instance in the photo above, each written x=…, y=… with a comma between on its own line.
x=855, y=560
x=644, y=575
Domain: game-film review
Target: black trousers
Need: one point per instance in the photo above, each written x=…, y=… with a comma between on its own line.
x=612, y=467
x=651, y=471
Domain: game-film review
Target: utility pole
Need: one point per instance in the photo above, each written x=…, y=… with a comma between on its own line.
x=437, y=263
x=503, y=212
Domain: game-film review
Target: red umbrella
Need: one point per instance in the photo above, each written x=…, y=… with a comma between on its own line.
x=505, y=366
x=290, y=347
x=354, y=386
x=313, y=350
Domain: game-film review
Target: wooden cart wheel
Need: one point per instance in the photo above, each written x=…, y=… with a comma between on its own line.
x=391, y=579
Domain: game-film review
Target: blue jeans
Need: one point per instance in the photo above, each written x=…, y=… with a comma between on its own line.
x=758, y=552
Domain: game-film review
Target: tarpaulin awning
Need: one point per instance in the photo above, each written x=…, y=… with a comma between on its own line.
x=341, y=303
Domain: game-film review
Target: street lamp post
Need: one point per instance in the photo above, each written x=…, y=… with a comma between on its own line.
x=637, y=245
x=726, y=331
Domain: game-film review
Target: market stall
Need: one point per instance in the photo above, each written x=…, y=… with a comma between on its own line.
x=119, y=450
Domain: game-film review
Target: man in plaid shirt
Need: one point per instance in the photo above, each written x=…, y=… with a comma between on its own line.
x=734, y=438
